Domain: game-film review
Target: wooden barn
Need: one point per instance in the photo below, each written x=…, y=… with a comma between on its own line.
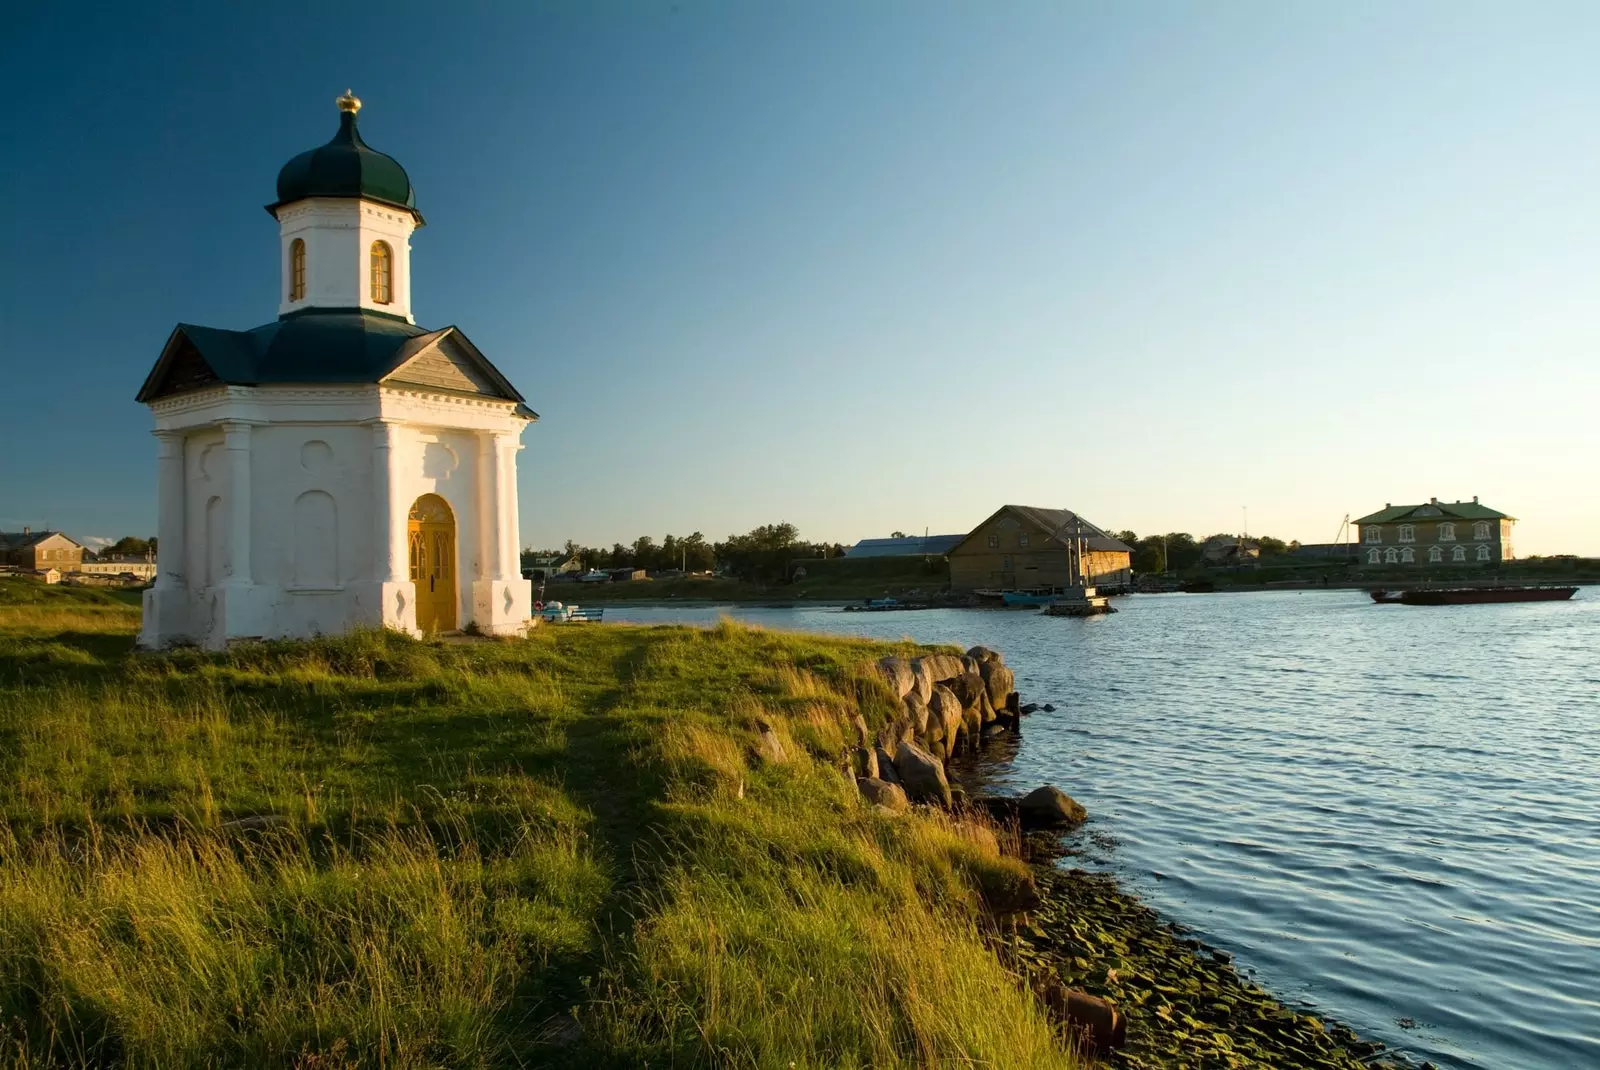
x=1022, y=547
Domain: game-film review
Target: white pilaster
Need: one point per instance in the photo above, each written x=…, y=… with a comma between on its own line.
x=502, y=601
x=237, y=439
x=512, y=543
x=166, y=603
x=169, y=502
x=392, y=587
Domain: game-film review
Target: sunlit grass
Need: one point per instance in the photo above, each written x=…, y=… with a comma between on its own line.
x=372, y=851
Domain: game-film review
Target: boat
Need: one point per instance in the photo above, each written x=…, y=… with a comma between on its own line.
x=1028, y=598
x=883, y=605
x=559, y=613
x=1467, y=596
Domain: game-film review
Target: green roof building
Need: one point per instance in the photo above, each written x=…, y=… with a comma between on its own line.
x=1435, y=534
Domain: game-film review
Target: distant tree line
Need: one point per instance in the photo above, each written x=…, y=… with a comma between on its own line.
x=762, y=555
x=1177, y=551
x=128, y=546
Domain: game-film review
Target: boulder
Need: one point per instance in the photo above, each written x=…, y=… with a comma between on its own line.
x=1000, y=680
x=769, y=748
x=985, y=708
x=863, y=735
x=886, y=766
x=864, y=762
x=897, y=673
x=971, y=664
x=983, y=653
x=1050, y=807
x=1048, y=707
x=882, y=793
x=938, y=667
x=916, y=712
x=972, y=723
x=922, y=774
x=1095, y=1025
x=1029, y=708
x=946, y=709
x=969, y=688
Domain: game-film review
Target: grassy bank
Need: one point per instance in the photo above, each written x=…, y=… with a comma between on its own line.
x=372, y=851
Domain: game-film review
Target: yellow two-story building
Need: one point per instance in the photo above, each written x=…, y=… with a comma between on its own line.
x=1436, y=533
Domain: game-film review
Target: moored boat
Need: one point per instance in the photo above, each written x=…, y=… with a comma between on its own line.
x=1028, y=598
x=1467, y=596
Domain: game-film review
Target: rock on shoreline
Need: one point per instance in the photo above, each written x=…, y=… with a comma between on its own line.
x=1123, y=983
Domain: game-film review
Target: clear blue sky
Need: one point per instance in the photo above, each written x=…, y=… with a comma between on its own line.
x=862, y=266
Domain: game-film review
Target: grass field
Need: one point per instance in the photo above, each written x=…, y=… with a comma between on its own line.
x=373, y=851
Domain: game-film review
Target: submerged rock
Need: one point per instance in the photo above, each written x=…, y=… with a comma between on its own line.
x=1049, y=807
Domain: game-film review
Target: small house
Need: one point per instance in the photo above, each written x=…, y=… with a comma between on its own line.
x=1230, y=551
x=39, y=550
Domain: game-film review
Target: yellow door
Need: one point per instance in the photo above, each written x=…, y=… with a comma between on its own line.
x=432, y=537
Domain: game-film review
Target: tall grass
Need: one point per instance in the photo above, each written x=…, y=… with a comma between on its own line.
x=371, y=851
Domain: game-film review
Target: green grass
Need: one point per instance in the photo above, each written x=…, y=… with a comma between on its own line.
x=373, y=851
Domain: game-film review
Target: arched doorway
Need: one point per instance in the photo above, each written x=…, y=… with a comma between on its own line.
x=432, y=539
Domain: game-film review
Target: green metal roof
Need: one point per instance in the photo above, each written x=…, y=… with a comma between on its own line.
x=345, y=167
x=1447, y=511
x=315, y=346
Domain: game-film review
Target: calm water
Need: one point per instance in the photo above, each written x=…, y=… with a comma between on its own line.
x=1390, y=812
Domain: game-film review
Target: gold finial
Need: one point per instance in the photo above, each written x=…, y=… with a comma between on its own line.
x=349, y=102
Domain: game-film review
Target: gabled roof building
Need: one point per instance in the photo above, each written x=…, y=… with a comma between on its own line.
x=1435, y=533
x=1023, y=547
x=342, y=465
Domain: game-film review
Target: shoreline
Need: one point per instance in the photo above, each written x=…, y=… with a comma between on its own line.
x=768, y=601
x=1185, y=1002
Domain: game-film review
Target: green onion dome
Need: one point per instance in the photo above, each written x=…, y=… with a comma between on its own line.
x=345, y=167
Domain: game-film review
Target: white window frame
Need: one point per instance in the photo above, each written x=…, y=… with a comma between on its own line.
x=1390, y=556
x=1372, y=533
x=1483, y=553
x=1374, y=555
x=1458, y=554
x=1447, y=532
x=1408, y=556
x=1480, y=530
x=1408, y=533
x=1435, y=555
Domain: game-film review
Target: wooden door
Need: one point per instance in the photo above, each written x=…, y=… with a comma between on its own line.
x=432, y=539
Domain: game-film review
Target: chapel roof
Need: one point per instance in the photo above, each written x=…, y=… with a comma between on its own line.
x=318, y=346
x=346, y=167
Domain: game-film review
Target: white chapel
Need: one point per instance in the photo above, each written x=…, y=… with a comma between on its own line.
x=340, y=466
